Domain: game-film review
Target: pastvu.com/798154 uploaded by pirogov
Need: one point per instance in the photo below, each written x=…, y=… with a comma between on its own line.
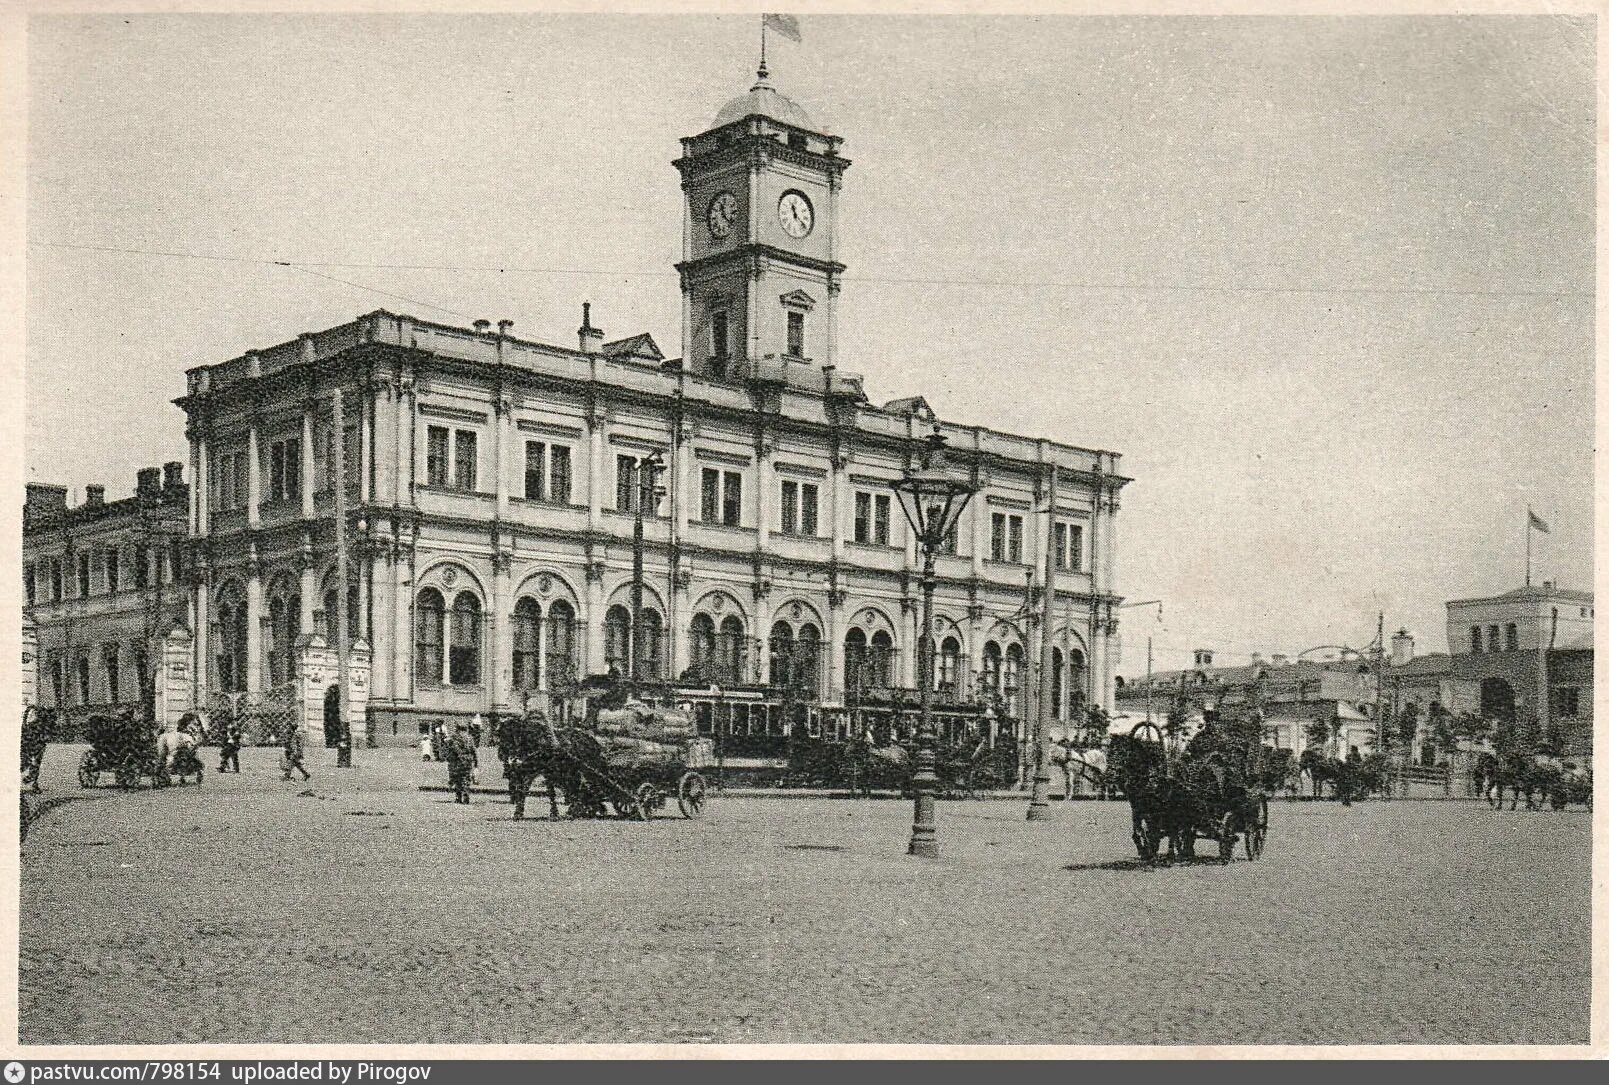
x=155, y=1072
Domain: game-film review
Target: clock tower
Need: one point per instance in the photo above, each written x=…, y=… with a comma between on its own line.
x=759, y=269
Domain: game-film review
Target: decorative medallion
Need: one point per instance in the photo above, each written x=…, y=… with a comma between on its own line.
x=797, y=610
x=449, y=576
x=717, y=602
x=544, y=583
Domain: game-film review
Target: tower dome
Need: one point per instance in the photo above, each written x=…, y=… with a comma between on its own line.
x=766, y=101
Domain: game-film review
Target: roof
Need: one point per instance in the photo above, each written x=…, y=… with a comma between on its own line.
x=1434, y=663
x=636, y=346
x=1529, y=594
x=766, y=101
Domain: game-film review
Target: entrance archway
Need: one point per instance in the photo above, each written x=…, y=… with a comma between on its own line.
x=332, y=716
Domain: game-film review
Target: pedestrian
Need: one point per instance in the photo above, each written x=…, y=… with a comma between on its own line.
x=295, y=750
x=460, y=761
x=229, y=741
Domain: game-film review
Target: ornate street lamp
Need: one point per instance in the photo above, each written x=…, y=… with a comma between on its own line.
x=933, y=497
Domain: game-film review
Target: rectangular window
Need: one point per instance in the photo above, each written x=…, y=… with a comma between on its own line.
x=1015, y=525
x=732, y=499
x=881, y=505
x=536, y=471
x=142, y=671
x=709, y=509
x=559, y=474
x=626, y=484
x=796, y=343
x=285, y=470
x=112, y=570
x=790, y=507
x=720, y=348
x=109, y=654
x=83, y=574
x=997, y=537
x=223, y=483
x=436, y=456
x=83, y=679
x=464, y=453
x=808, y=499
x=1075, y=547
x=142, y=564
x=863, y=517
x=58, y=679
x=28, y=582
x=242, y=480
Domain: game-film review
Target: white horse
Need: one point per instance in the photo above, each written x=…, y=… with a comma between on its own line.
x=169, y=743
x=1085, y=763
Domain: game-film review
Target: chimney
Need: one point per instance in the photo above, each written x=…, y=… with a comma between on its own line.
x=591, y=338
x=1401, y=648
x=172, y=475
x=482, y=327
x=1203, y=657
x=94, y=495
x=1280, y=659
x=148, y=481
x=503, y=326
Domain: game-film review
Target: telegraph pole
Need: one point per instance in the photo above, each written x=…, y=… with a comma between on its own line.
x=343, y=753
x=1039, y=801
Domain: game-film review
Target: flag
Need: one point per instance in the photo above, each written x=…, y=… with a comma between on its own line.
x=1537, y=522
x=786, y=25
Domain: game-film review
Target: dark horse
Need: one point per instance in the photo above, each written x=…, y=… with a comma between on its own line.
x=38, y=725
x=1518, y=773
x=1159, y=804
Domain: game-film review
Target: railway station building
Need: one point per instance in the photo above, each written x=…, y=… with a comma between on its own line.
x=493, y=481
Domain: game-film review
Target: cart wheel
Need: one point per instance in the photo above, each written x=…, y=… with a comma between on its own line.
x=1226, y=838
x=648, y=797
x=690, y=795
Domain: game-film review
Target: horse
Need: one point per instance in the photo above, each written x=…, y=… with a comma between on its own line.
x=1321, y=769
x=1087, y=764
x=176, y=751
x=1516, y=772
x=37, y=725
x=1159, y=803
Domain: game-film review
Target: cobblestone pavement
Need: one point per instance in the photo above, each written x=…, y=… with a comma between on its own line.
x=358, y=908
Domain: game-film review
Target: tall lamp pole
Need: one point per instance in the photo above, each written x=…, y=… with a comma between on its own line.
x=932, y=497
x=1131, y=606
x=648, y=494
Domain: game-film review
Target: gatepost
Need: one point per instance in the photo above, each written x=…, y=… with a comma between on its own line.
x=359, y=659
x=315, y=670
x=175, y=683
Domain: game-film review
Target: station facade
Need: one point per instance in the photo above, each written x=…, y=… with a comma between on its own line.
x=493, y=483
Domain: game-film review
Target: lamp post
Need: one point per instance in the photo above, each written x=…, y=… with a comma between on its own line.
x=1148, y=603
x=932, y=497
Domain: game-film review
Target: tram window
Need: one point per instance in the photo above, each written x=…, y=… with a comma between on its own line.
x=813, y=723
x=740, y=719
x=704, y=719
x=777, y=724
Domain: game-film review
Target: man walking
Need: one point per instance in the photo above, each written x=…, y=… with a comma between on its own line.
x=460, y=761
x=295, y=750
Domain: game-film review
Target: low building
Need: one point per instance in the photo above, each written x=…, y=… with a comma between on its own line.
x=102, y=586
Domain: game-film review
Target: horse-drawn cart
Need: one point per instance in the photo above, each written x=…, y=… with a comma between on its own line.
x=125, y=747
x=1213, y=790
x=635, y=760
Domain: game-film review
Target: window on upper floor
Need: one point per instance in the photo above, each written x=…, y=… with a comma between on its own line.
x=142, y=566
x=871, y=517
x=436, y=455
x=113, y=569
x=1005, y=537
x=720, y=343
x=1474, y=638
x=1068, y=547
x=721, y=497
x=466, y=460
x=285, y=469
x=28, y=582
x=628, y=484
x=1511, y=637
x=231, y=480
x=83, y=574
x=799, y=507
x=796, y=337
x=55, y=580
x=547, y=472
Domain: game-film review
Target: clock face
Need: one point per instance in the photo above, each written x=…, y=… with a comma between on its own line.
x=798, y=218
x=722, y=214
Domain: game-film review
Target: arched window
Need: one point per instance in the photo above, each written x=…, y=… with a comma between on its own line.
x=231, y=640
x=1075, y=682
x=807, y=658
x=527, y=643
x=354, y=620
x=949, y=663
x=731, y=651
x=617, y=640
x=463, y=654
x=653, y=645
x=429, y=622
x=561, y=649
x=1492, y=643
x=781, y=654
x=1474, y=638
x=1011, y=679
x=1057, y=662
x=284, y=626
x=1511, y=637
x=856, y=674
x=880, y=659
x=991, y=668
x=703, y=645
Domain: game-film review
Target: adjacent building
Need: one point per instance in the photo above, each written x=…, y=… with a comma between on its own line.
x=103, y=583
x=493, y=481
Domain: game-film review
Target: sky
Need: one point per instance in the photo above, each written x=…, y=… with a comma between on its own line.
x=1325, y=283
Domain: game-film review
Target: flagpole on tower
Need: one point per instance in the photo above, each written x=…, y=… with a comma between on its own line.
x=1529, y=516
x=762, y=72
